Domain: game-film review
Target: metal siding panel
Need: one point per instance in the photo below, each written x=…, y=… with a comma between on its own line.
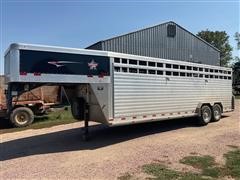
x=153, y=42
x=136, y=94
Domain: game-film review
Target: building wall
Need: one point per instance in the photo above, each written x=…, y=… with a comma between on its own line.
x=154, y=42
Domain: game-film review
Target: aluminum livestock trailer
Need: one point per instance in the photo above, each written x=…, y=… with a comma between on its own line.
x=118, y=89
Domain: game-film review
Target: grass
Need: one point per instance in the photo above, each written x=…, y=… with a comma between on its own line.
x=213, y=172
x=126, y=176
x=159, y=171
x=199, y=162
x=62, y=116
x=237, y=97
x=209, y=169
x=233, y=146
x=233, y=163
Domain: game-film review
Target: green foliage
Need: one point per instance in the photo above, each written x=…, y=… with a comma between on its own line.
x=209, y=168
x=59, y=115
x=236, y=64
x=199, y=162
x=237, y=97
x=212, y=172
x=233, y=163
x=192, y=176
x=126, y=176
x=237, y=38
x=220, y=40
x=160, y=172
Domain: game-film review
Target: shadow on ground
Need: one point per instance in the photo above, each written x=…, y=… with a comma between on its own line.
x=100, y=136
x=5, y=124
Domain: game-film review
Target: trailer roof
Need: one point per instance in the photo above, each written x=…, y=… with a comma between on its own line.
x=38, y=47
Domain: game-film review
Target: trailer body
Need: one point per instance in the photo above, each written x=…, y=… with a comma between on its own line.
x=120, y=88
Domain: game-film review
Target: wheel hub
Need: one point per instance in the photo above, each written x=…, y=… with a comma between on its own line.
x=217, y=114
x=206, y=115
x=21, y=118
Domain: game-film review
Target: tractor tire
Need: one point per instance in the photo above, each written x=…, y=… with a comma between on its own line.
x=21, y=117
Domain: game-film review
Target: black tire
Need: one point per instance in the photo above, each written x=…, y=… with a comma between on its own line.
x=206, y=115
x=78, y=108
x=216, y=112
x=21, y=117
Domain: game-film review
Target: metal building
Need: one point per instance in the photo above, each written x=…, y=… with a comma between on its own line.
x=167, y=40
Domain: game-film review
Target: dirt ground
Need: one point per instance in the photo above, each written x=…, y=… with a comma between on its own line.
x=60, y=153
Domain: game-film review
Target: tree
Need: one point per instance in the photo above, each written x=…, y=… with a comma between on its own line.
x=237, y=58
x=220, y=40
x=236, y=66
x=237, y=38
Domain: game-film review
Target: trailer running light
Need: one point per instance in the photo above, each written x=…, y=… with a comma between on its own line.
x=123, y=118
x=89, y=75
x=23, y=73
x=134, y=117
x=144, y=116
x=101, y=76
x=37, y=74
x=154, y=115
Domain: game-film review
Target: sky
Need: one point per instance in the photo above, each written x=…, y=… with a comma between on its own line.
x=78, y=24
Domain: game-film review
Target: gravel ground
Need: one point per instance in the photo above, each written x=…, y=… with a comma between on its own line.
x=60, y=153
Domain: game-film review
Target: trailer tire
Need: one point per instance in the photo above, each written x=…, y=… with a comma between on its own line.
x=21, y=117
x=206, y=115
x=216, y=112
x=78, y=108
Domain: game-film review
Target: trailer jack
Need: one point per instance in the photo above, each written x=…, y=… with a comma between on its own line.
x=85, y=135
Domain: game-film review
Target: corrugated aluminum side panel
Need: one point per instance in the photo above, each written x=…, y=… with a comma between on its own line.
x=153, y=42
x=96, y=46
x=137, y=94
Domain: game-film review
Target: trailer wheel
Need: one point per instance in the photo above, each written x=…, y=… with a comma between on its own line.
x=217, y=112
x=21, y=117
x=206, y=115
x=78, y=108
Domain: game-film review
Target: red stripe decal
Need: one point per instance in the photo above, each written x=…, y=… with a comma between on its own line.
x=23, y=73
x=37, y=74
